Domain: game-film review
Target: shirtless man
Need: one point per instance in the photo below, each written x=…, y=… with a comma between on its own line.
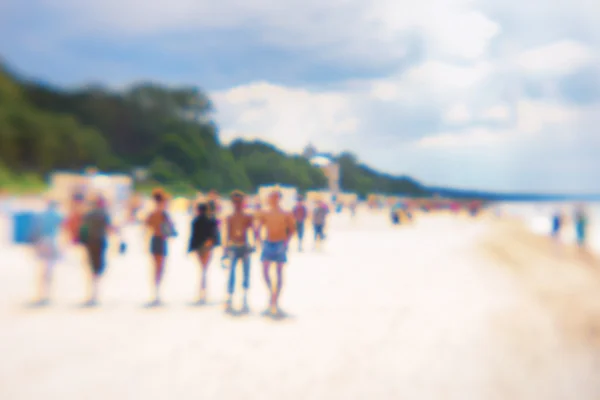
x=280, y=227
x=237, y=247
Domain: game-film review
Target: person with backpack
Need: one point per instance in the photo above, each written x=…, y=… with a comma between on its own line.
x=95, y=227
x=161, y=228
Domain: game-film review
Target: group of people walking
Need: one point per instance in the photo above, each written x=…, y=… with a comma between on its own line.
x=241, y=236
x=579, y=222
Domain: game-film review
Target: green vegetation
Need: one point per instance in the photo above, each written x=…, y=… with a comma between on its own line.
x=166, y=130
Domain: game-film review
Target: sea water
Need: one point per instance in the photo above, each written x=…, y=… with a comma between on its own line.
x=538, y=217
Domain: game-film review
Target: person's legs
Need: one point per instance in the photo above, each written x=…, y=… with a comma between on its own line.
x=205, y=257
x=46, y=267
x=231, y=282
x=319, y=235
x=246, y=281
x=47, y=253
x=158, y=249
x=267, y=278
x=281, y=259
x=300, y=233
x=279, y=283
x=580, y=233
x=96, y=252
x=266, y=258
x=159, y=264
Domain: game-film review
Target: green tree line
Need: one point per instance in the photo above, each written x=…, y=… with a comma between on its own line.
x=168, y=131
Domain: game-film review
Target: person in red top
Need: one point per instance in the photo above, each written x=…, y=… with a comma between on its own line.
x=74, y=219
x=300, y=214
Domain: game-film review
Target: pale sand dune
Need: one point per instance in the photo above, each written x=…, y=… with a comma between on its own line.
x=429, y=311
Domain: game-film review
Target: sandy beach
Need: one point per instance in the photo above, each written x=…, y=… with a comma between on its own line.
x=448, y=308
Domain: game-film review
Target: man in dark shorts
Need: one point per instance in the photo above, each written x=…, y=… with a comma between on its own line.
x=319, y=217
x=95, y=228
x=300, y=214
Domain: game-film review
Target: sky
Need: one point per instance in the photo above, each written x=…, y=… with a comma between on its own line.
x=484, y=94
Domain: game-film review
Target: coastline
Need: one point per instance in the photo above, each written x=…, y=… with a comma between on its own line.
x=557, y=275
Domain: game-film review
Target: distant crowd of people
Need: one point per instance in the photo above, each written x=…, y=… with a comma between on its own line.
x=404, y=210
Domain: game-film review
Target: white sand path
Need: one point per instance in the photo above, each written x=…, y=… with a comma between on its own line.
x=381, y=313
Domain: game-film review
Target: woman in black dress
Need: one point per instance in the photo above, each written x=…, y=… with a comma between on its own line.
x=203, y=239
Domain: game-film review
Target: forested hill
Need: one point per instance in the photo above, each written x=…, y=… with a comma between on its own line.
x=167, y=130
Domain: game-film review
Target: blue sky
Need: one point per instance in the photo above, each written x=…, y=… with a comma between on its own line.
x=483, y=94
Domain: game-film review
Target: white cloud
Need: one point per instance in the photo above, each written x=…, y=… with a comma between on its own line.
x=557, y=58
x=287, y=117
x=432, y=82
x=534, y=116
x=451, y=28
x=473, y=137
x=384, y=91
x=355, y=28
x=497, y=113
x=457, y=114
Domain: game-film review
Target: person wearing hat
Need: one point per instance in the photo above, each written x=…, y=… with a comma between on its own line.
x=203, y=239
x=237, y=227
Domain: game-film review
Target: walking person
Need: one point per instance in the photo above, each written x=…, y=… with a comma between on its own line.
x=352, y=208
x=237, y=247
x=203, y=239
x=46, y=234
x=319, y=217
x=557, y=224
x=279, y=226
x=95, y=228
x=300, y=213
x=161, y=228
x=74, y=218
x=581, y=225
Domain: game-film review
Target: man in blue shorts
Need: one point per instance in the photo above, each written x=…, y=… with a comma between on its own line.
x=280, y=227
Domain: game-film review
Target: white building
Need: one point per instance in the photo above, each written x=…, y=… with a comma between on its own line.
x=330, y=168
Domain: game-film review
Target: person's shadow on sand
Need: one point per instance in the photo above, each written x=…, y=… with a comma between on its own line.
x=280, y=315
x=153, y=304
x=36, y=304
x=204, y=303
